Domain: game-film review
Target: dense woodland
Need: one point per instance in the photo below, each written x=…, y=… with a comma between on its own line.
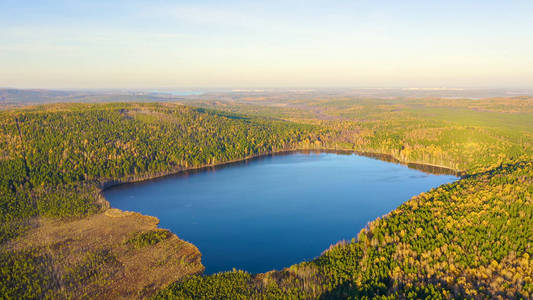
x=472, y=238
x=468, y=239
x=55, y=159
x=462, y=134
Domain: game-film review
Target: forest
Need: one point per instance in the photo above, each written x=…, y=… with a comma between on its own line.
x=468, y=239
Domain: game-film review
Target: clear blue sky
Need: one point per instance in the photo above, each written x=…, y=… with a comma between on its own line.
x=151, y=44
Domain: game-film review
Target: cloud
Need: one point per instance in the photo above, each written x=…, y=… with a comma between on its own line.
x=167, y=36
x=203, y=15
x=51, y=39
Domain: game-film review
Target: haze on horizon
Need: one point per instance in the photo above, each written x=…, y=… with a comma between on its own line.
x=150, y=44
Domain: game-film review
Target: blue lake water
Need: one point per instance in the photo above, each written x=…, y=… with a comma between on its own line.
x=275, y=211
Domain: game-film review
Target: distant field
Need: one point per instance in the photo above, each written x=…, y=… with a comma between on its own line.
x=461, y=133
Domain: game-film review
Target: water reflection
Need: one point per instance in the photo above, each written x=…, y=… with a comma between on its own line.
x=273, y=211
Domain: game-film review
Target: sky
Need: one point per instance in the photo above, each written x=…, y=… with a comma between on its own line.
x=194, y=44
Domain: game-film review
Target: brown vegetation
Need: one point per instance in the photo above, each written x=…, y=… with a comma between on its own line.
x=91, y=256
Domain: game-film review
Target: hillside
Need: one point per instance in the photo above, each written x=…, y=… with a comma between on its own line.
x=56, y=159
x=470, y=238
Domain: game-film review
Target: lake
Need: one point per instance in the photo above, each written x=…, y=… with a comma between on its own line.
x=274, y=211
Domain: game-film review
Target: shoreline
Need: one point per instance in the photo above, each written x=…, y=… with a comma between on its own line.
x=423, y=167
x=426, y=168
